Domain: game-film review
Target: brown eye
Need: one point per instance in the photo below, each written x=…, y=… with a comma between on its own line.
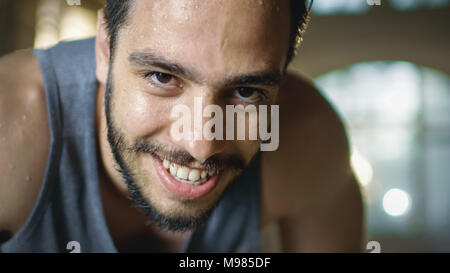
x=246, y=92
x=161, y=78
x=249, y=94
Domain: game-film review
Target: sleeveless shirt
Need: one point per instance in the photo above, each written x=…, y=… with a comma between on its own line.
x=69, y=205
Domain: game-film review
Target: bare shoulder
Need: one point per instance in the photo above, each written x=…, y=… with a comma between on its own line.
x=312, y=161
x=24, y=137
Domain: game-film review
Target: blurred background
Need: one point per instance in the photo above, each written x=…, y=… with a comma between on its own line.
x=385, y=68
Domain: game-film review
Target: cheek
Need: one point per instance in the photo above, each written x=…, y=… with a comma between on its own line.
x=138, y=113
x=247, y=148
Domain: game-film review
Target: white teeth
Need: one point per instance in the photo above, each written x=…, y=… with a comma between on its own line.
x=173, y=169
x=166, y=163
x=194, y=175
x=183, y=173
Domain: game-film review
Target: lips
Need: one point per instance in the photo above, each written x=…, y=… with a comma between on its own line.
x=180, y=189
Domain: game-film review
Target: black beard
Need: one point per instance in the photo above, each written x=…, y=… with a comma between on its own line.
x=118, y=147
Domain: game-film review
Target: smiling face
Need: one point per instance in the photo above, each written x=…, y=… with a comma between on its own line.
x=226, y=52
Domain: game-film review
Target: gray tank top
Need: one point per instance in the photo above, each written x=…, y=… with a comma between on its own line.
x=69, y=206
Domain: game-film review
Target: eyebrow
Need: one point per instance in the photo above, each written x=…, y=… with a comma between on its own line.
x=258, y=78
x=149, y=59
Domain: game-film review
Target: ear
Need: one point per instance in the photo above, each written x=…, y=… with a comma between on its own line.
x=102, y=51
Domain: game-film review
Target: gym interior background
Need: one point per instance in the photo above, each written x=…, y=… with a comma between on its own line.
x=385, y=68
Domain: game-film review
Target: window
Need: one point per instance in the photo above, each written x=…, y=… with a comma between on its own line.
x=333, y=7
x=398, y=120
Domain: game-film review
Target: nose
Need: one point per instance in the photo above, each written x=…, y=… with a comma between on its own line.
x=201, y=150
x=196, y=137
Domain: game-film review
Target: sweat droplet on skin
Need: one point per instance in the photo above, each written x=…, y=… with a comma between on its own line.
x=27, y=178
x=24, y=117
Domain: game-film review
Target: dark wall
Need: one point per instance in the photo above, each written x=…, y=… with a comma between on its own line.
x=17, y=20
x=418, y=36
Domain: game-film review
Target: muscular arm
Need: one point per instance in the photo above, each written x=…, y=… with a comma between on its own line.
x=333, y=225
x=309, y=189
x=24, y=138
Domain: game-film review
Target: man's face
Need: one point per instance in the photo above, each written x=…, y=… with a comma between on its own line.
x=226, y=52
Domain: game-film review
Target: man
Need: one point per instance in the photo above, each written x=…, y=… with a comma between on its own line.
x=88, y=160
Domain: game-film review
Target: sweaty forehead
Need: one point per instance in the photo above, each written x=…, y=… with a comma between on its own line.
x=214, y=35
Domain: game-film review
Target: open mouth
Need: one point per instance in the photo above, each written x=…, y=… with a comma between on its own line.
x=185, y=182
x=187, y=175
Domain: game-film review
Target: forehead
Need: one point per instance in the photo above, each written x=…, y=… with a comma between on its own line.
x=214, y=35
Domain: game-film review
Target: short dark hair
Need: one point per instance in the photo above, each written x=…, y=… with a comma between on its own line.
x=116, y=16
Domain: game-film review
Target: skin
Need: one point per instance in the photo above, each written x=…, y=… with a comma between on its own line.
x=308, y=190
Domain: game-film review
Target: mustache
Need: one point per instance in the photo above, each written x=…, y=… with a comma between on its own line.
x=182, y=157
